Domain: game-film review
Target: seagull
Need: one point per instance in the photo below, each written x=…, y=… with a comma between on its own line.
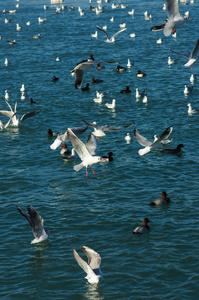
x=18, y=28
x=12, y=114
x=92, y=268
x=7, y=96
x=131, y=12
x=22, y=89
x=138, y=95
x=111, y=105
x=192, y=57
x=99, y=131
x=127, y=137
x=98, y=99
x=174, y=17
x=63, y=137
x=81, y=67
x=36, y=36
x=40, y=20
x=159, y=41
x=36, y=223
x=161, y=201
x=85, y=152
x=171, y=61
x=129, y=63
x=147, y=144
x=192, y=77
x=142, y=229
x=112, y=39
x=192, y=111
x=188, y=89
x=6, y=62
x=94, y=34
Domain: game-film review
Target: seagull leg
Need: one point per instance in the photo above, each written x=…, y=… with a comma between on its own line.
x=93, y=171
x=86, y=173
x=174, y=30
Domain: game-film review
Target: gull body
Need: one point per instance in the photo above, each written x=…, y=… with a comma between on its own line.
x=192, y=111
x=188, y=89
x=111, y=105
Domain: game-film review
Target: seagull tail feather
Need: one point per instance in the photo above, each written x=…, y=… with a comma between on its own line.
x=78, y=167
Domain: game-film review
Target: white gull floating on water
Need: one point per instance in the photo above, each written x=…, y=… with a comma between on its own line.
x=92, y=268
x=36, y=222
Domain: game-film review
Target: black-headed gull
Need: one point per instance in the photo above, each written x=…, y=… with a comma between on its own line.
x=142, y=229
x=36, y=222
x=92, y=268
x=63, y=137
x=111, y=105
x=173, y=151
x=171, y=61
x=192, y=57
x=127, y=137
x=175, y=19
x=188, y=89
x=99, y=131
x=112, y=39
x=12, y=114
x=161, y=201
x=147, y=144
x=87, y=153
x=78, y=71
x=192, y=111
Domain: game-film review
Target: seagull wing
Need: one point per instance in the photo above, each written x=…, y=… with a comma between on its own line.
x=29, y=114
x=172, y=8
x=91, y=144
x=9, y=114
x=8, y=104
x=26, y=215
x=195, y=49
x=37, y=222
x=141, y=139
x=79, y=130
x=118, y=32
x=94, y=125
x=79, y=146
x=185, y=55
x=94, y=259
x=108, y=127
x=79, y=77
x=104, y=31
x=83, y=264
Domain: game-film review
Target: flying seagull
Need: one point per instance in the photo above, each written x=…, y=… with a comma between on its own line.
x=85, y=152
x=92, y=268
x=192, y=57
x=36, y=223
x=99, y=131
x=12, y=114
x=147, y=144
x=175, y=19
x=78, y=71
x=112, y=39
x=63, y=137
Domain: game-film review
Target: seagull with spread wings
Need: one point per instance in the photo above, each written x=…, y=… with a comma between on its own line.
x=110, y=39
x=92, y=268
x=37, y=224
